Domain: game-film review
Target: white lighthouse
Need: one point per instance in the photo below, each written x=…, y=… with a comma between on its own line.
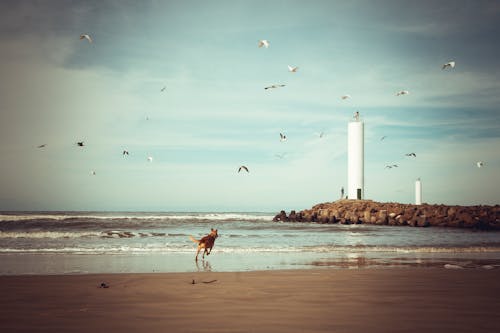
x=418, y=192
x=355, y=159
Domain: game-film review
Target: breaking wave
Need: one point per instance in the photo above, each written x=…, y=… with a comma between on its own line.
x=188, y=248
x=137, y=217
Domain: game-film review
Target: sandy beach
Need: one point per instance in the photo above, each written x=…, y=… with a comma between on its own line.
x=319, y=300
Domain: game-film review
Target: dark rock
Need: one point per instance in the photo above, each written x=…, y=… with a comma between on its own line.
x=281, y=217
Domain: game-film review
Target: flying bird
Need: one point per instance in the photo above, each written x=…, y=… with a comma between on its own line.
x=320, y=134
x=391, y=166
x=93, y=173
x=345, y=96
x=282, y=137
x=42, y=146
x=411, y=154
x=163, y=89
x=80, y=144
x=450, y=64
x=292, y=69
x=402, y=92
x=87, y=37
x=382, y=138
x=274, y=86
x=243, y=168
x=480, y=164
x=150, y=159
x=264, y=42
x=125, y=152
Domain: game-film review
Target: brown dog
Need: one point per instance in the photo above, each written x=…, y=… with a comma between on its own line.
x=206, y=243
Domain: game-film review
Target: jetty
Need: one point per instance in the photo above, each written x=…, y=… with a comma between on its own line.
x=397, y=214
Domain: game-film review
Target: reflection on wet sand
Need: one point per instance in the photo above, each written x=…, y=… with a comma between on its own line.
x=353, y=262
x=204, y=267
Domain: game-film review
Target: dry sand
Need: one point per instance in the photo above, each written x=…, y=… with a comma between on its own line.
x=362, y=300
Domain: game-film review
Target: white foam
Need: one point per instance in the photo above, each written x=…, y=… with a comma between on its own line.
x=49, y=234
x=145, y=216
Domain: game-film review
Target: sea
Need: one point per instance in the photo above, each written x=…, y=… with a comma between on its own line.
x=47, y=243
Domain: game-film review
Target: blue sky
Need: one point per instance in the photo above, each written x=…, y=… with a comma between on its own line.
x=215, y=115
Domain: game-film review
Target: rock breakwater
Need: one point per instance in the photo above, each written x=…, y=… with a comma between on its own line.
x=371, y=212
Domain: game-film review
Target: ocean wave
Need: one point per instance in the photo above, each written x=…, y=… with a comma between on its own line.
x=188, y=248
x=83, y=234
x=138, y=217
x=404, y=249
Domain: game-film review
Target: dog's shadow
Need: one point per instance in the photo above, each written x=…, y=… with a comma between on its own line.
x=204, y=267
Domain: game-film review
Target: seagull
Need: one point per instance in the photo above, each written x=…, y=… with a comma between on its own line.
x=388, y=166
x=163, y=89
x=292, y=69
x=125, y=152
x=450, y=64
x=321, y=134
x=402, y=92
x=80, y=144
x=411, y=154
x=150, y=159
x=93, y=173
x=382, y=138
x=480, y=164
x=345, y=96
x=394, y=165
x=282, y=137
x=87, y=37
x=42, y=146
x=264, y=42
x=274, y=86
x=243, y=168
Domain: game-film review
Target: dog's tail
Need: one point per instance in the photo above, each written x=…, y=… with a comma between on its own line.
x=194, y=240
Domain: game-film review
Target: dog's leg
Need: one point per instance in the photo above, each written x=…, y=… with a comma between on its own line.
x=197, y=252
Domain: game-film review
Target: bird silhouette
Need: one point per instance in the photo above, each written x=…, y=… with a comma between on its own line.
x=264, y=43
x=87, y=37
x=274, y=86
x=450, y=64
x=243, y=168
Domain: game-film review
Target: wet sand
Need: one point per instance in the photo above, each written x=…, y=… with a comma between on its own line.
x=319, y=300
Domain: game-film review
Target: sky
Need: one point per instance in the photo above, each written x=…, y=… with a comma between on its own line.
x=214, y=114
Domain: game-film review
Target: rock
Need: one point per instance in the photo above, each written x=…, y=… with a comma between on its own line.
x=422, y=221
x=367, y=216
x=382, y=217
x=281, y=217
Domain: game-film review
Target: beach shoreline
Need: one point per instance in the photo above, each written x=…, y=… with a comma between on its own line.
x=311, y=300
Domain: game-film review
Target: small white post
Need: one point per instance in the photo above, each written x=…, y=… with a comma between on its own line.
x=418, y=192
